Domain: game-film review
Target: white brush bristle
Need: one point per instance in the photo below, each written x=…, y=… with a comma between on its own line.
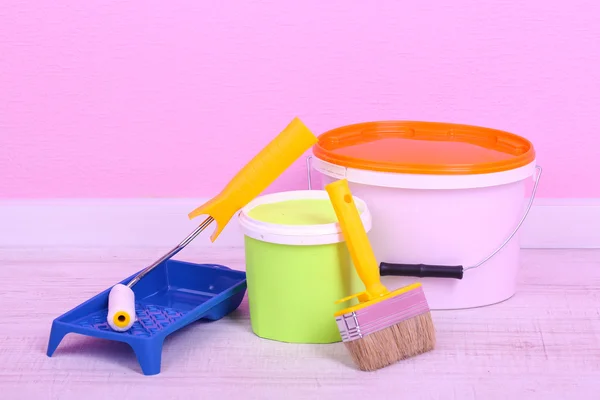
x=121, y=308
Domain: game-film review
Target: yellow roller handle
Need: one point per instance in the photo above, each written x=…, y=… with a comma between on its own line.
x=258, y=174
x=356, y=238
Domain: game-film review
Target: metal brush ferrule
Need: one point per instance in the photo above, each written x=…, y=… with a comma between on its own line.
x=348, y=326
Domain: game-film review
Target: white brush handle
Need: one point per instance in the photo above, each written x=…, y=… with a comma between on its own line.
x=121, y=308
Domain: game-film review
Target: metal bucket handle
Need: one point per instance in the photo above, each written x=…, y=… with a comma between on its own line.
x=444, y=271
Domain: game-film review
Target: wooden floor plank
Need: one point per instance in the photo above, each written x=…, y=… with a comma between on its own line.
x=544, y=343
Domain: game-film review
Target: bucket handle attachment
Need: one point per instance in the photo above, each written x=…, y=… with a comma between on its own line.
x=444, y=271
x=308, y=175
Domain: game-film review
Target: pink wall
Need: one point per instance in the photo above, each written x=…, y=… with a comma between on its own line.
x=166, y=99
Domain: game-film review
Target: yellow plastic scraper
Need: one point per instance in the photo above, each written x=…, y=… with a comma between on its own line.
x=248, y=183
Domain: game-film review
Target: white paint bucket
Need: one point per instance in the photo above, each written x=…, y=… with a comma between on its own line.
x=447, y=196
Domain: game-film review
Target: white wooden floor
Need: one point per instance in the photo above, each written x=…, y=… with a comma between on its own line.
x=544, y=343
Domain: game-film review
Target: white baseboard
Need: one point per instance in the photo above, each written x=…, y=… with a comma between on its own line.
x=552, y=223
x=562, y=224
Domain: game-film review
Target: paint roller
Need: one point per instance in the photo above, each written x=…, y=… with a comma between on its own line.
x=247, y=184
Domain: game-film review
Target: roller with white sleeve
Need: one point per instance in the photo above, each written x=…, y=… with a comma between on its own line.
x=248, y=183
x=121, y=308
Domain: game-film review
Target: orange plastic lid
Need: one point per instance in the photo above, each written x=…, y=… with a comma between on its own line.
x=423, y=148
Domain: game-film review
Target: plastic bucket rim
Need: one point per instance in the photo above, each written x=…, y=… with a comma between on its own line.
x=423, y=181
x=297, y=234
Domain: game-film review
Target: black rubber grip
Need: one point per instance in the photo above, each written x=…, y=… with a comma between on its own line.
x=421, y=270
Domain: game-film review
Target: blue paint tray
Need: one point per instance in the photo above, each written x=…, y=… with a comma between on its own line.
x=170, y=297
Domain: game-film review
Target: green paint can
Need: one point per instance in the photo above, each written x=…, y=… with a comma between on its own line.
x=297, y=266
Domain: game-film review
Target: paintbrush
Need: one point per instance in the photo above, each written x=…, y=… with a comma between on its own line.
x=384, y=327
